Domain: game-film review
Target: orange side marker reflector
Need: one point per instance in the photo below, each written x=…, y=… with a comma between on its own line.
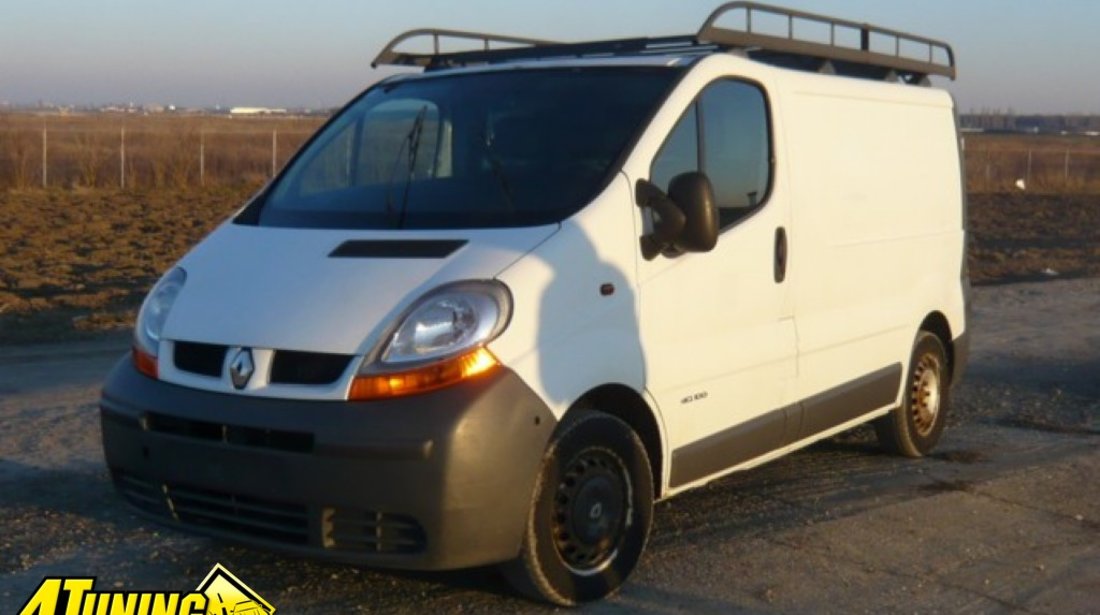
x=423, y=379
x=145, y=363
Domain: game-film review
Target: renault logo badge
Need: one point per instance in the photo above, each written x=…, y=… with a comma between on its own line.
x=241, y=368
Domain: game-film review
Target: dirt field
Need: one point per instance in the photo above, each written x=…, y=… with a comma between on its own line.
x=74, y=263
x=79, y=262
x=1017, y=237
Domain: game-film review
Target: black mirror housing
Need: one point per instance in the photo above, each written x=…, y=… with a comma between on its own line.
x=694, y=196
x=668, y=219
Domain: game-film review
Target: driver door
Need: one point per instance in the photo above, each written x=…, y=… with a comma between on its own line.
x=717, y=328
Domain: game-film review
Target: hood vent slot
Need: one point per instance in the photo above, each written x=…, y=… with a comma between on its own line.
x=398, y=248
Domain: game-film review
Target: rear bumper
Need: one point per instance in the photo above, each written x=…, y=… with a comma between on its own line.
x=435, y=481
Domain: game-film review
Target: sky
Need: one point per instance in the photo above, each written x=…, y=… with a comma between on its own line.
x=1027, y=56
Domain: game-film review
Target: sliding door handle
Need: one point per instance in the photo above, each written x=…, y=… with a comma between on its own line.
x=780, y=255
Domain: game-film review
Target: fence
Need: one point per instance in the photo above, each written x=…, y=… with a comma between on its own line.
x=105, y=151
x=143, y=154
x=129, y=159
x=1044, y=170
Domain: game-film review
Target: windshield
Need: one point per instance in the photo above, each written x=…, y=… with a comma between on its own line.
x=494, y=149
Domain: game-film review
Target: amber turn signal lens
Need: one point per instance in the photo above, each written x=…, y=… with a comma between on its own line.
x=422, y=379
x=145, y=363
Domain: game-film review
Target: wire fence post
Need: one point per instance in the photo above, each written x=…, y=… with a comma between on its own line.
x=122, y=158
x=1027, y=175
x=274, y=146
x=202, y=159
x=45, y=157
x=1065, y=169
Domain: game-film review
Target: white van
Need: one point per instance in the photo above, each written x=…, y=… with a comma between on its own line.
x=495, y=309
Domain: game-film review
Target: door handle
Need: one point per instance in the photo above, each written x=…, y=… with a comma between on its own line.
x=780, y=255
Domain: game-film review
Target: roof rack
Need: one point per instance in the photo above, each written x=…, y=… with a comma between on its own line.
x=881, y=53
x=390, y=56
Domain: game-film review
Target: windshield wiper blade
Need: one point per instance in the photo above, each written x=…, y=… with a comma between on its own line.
x=412, y=140
x=414, y=149
x=498, y=173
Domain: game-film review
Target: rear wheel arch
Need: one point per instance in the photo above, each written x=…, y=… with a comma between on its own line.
x=936, y=324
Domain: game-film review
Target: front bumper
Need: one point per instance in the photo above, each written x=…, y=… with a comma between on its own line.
x=435, y=481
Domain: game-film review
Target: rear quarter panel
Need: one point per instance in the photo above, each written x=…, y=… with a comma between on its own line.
x=877, y=237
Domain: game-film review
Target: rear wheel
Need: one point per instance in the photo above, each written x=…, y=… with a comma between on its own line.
x=914, y=428
x=591, y=513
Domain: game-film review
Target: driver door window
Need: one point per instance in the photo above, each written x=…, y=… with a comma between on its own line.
x=724, y=134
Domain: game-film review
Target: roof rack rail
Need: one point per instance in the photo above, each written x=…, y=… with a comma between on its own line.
x=868, y=60
x=389, y=54
x=750, y=38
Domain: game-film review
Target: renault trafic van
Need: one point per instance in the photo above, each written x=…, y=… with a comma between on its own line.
x=494, y=309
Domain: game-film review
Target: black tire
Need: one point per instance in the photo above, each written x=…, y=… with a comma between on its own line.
x=914, y=428
x=591, y=513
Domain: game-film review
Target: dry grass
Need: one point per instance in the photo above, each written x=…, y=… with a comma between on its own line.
x=163, y=151
x=1058, y=164
x=169, y=151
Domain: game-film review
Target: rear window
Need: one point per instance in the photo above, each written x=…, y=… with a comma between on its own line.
x=495, y=149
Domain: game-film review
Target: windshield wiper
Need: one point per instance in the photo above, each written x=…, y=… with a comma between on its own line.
x=412, y=140
x=498, y=173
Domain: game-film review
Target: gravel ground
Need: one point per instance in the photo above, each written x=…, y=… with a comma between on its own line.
x=1002, y=519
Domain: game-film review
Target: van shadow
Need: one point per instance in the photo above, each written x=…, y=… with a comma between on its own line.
x=1055, y=396
x=587, y=319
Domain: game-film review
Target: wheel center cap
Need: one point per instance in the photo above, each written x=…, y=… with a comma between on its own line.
x=597, y=510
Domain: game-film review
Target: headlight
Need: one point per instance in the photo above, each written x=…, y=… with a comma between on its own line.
x=438, y=342
x=155, y=309
x=449, y=321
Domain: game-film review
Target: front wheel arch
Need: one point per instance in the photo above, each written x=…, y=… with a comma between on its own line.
x=627, y=405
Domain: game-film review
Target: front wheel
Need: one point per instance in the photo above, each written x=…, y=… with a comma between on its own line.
x=915, y=427
x=591, y=513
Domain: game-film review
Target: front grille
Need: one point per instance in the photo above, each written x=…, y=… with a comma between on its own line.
x=291, y=441
x=345, y=530
x=204, y=508
x=292, y=367
x=287, y=366
x=202, y=359
x=371, y=532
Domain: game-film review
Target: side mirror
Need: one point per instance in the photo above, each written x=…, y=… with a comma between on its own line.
x=685, y=220
x=694, y=195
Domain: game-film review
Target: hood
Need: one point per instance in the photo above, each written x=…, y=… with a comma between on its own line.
x=323, y=290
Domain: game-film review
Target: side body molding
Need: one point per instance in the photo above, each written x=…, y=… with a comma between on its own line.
x=785, y=426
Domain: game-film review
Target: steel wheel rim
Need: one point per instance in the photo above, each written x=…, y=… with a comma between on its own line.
x=592, y=508
x=925, y=394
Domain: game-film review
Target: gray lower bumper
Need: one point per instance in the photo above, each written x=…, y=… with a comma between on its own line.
x=435, y=481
